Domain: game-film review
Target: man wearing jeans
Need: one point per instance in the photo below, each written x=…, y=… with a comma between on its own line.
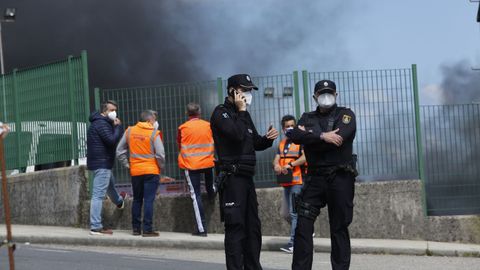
x=103, y=135
x=146, y=158
x=290, y=158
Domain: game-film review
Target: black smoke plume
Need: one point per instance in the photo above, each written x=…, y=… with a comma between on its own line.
x=460, y=84
x=144, y=42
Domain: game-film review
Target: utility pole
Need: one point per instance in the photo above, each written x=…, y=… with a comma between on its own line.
x=4, y=129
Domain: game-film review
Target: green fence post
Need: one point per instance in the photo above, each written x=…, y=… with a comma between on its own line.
x=297, y=94
x=306, y=90
x=96, y=96
x=219, y=90
x=73, y=122
x=418, y=131
x=18, y=123
x=86, y=88
x=86, y=92
x=4, y=99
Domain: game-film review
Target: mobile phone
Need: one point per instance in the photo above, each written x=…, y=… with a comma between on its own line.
x=270, y=127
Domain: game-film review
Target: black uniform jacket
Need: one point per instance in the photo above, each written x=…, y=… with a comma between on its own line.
x=318, y=152
x=235, y=136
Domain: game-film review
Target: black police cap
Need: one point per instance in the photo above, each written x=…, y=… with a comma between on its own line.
x=241, y=80
x=325, y=86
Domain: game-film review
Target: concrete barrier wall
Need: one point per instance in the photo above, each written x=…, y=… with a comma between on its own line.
x=383, y=210
x=51, y=197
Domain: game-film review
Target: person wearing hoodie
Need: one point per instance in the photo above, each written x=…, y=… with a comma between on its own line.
x=103, y=135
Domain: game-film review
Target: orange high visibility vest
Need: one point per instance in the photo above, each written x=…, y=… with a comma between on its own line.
x=290, y=154
x=140, y=139
x=196, y=145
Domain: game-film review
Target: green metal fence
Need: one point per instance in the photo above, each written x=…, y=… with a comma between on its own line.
x=452, y=153
x=47, y=107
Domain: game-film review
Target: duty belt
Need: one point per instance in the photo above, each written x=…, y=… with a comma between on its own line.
x=331, y=170
x=241, y=169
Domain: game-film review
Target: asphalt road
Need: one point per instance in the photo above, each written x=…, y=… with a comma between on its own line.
x=42, y=257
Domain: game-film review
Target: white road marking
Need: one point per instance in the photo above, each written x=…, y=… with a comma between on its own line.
x=143, y=259
x=52, y=250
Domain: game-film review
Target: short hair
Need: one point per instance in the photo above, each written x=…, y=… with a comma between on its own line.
x=193, y=109
x=147, y=115
x=287, y=118
x=104, y=107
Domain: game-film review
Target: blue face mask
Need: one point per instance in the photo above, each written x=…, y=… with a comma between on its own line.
x=285, y=131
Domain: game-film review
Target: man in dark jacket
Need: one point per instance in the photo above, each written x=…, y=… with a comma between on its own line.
x=103, y=135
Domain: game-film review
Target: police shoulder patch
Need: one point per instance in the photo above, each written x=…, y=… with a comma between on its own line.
x=346, y=119
x=225, y=115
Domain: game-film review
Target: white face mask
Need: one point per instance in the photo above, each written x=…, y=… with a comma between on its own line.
x=326, y=100
x=155, y=125
x=248, y=97
x=112, y=115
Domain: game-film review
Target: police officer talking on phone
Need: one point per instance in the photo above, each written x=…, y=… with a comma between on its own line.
x=327, y=135
x=236, y=140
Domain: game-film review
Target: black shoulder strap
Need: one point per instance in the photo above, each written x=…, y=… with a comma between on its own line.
x=331, y=121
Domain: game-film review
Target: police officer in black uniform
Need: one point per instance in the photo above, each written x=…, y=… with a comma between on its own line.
x=236, y=140
x=327, y=135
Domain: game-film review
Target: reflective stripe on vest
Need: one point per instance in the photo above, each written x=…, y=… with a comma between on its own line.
x=198, y=154
x=191, y=146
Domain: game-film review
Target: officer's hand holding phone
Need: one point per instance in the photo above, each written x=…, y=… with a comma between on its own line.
x=239, y=100
x=272, y=133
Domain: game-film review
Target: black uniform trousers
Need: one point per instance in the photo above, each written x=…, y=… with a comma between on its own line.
x=243, y=236
x=337, y=192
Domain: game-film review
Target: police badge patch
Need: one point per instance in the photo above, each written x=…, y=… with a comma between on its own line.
x=346, y=119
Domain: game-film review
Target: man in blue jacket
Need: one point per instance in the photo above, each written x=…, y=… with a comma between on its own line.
x=103, y=135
